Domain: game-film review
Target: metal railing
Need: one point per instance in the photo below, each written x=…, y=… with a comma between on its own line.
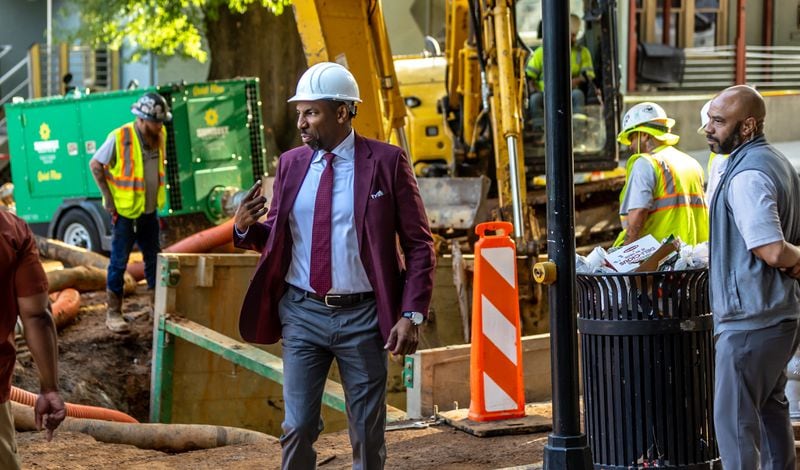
x=9, y=77
x=92, y=68
x=712, y=68
x=88, y=68
x=20, y=85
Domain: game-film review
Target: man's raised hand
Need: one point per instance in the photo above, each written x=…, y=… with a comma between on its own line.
x=252, y=208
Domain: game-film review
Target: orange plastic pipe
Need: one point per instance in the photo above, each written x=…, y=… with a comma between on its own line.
x=201, y=242
x=75, y=411
x=65, y=306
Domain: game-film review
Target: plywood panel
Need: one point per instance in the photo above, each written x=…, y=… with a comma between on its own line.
x=208, y=389
x=441, y=376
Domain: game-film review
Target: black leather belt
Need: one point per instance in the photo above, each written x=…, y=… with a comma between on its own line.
x=340, y=300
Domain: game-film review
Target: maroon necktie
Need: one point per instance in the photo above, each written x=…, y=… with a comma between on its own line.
x=320, y=269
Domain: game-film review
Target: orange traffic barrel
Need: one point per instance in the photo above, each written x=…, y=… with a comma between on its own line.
x=496, y=387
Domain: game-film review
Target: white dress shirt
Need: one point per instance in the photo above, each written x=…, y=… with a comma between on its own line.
x=346, y=268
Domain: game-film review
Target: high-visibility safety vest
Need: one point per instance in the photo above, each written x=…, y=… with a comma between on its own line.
x=126, y=177
x=679, y=206
x=580, y=63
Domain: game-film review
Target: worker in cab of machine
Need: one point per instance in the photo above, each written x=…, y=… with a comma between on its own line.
x=129, y=171
x=346, y=268
x=663, y=193
x=23, y=294
x=581, y=73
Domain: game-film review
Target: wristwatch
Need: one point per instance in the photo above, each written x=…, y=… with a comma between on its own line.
x=416, y=318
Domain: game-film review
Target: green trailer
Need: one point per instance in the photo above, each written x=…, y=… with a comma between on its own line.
x=215, y=148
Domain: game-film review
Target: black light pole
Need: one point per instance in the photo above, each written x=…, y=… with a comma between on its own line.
x=567, y=448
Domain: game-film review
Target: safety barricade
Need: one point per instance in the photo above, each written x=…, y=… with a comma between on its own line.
x=496, y=386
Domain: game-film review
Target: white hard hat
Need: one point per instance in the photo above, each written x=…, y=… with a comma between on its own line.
x=327, y=81
x=649, y=118
x=574, y=23
x=704, y=118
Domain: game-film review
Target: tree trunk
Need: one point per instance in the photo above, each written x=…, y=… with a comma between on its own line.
x=263, y=45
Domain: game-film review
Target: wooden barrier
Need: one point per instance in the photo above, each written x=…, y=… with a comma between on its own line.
x=202, y=370
x=440, y=377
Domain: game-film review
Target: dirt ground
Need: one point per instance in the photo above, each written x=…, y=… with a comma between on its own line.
x=100, y=368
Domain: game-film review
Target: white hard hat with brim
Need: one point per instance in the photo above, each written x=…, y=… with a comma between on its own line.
x=327, y=81
x=658, y=131
x=704, y=118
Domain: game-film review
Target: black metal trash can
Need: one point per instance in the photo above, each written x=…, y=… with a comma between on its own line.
x=647, y=352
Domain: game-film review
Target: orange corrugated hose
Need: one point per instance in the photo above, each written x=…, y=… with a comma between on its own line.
x=200, y=242
x=65, y=306
x=75, y=411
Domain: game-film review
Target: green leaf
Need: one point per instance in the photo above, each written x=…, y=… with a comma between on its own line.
x=162, y=27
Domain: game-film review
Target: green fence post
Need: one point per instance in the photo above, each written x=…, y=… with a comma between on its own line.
x=161, y=378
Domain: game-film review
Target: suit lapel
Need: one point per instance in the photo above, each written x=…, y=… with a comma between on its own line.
x=295, y=175
x=364, y=171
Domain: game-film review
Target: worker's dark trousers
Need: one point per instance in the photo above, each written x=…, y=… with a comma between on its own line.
x=313, y=335
x=536, y=106
x=751, y=413
x=125, y=232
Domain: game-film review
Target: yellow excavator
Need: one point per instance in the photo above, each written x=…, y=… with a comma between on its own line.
x=460, y=111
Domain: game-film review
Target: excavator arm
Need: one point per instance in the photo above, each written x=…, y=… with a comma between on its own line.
x=465, y=110
x=483, y=105
x=353, y=34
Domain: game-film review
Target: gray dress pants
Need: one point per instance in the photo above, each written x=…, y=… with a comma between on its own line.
x=751, y=413
x=313, y=335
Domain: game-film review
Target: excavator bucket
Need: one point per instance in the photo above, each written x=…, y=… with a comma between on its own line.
x=454, y=203
x=451, y=203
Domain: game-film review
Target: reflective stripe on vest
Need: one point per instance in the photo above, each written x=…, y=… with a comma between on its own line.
x=126, y=177
x=679, y=206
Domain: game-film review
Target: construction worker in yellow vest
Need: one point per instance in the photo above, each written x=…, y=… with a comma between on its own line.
x=581, y=72
x=663, y=193
x=129, y=171
x=716, y=163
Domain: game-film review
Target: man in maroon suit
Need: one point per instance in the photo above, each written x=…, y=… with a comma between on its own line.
x=332, y=281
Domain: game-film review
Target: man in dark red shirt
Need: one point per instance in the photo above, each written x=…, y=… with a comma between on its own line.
x=23, y=293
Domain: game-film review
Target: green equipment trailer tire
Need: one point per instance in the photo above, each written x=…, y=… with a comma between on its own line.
x=77, y=228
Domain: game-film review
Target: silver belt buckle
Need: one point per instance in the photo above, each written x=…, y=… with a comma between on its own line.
x=332, y=296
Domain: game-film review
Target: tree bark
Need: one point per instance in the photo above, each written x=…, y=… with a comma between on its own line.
x=258, y=43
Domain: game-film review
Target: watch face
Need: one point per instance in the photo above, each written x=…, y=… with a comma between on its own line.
x=416, y=317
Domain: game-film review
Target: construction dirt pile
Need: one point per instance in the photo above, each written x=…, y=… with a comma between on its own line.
x=100, y=368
